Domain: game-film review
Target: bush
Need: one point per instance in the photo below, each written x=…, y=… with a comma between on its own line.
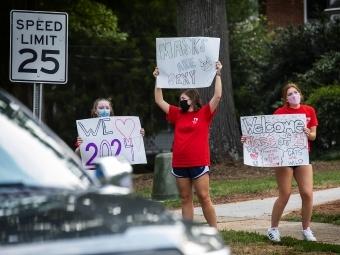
x=326, y=101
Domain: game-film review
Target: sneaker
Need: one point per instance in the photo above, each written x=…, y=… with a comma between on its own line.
x=307, y=234
x=274, y=234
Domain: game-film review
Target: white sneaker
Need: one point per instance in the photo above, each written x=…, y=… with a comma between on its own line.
x=274, y=234
x=307, y=234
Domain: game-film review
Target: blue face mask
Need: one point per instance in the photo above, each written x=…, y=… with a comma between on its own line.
x=104, y=113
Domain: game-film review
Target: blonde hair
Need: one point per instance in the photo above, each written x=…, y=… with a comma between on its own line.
x=95, y=104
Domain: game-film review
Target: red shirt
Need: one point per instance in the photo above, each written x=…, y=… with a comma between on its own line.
x=191, y=138
x=312, y=121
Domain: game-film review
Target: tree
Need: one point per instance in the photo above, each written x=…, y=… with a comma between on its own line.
x=23, y=91
x=89, y=22
x=209, y=18
x=105, y=67
x=248, y=38
x=295, y=51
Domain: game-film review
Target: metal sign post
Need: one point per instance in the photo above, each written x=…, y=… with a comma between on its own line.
x=37, y=101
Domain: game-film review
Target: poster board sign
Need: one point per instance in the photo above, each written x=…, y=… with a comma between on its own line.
x=111, y=136
x=275, y=140
x=186, y=62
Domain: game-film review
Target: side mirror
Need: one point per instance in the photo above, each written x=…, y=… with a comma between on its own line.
x=114, y=174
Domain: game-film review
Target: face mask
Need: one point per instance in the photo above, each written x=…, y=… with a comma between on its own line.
x=184, y=105
x=294, y=99
x=103, y=113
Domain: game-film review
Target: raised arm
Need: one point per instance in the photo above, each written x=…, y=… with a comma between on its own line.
x=159, y=94
x=218, y=88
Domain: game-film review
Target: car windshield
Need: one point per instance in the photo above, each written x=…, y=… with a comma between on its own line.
x=30, y=154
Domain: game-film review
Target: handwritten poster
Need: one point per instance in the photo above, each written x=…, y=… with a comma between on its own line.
x=275, y=140
x=111, y=136
x=186, y=62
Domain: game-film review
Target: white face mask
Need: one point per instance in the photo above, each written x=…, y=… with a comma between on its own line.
x=294, y=99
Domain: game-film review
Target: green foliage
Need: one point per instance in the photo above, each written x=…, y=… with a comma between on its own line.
x=333, y=155
x=324, y=71
x=326, y=101
x=88, y=18
x=248, y=38
x=102, y=65
x=294, y=52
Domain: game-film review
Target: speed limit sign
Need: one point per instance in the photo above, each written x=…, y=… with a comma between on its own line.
x=38, y=47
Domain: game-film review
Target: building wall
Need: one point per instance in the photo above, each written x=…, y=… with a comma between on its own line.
x=280, y=13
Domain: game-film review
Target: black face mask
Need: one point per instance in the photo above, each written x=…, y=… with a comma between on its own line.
x=184, y=105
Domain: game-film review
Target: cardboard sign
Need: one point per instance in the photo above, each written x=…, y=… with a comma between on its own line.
x=186, y=62
x=111, y=136
x=275, y=140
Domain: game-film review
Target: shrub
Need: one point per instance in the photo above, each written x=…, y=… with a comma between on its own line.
x=326, y=101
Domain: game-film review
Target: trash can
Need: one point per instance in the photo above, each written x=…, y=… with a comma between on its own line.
x=164, y=183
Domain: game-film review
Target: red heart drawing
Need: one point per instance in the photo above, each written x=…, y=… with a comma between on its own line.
x=125, y=127
x=254, y=156
x=278, y=163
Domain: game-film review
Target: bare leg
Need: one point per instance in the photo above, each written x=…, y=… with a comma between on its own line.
x=185, y=190
x=284, y=177
x=304, y=179
x=201, y=185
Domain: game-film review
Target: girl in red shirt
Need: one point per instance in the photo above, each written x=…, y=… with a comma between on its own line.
x=191, y=153
x=302, y=174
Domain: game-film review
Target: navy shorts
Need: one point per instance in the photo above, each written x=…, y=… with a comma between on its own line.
x=190, y=172
x=294, y=167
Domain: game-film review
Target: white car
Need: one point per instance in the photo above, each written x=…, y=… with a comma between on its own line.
x=49, y=205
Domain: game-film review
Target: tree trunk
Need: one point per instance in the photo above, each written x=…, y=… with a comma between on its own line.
x=209, y=18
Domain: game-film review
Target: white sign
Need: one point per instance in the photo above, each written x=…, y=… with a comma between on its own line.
x=275, y=140
x=111, y=136
x=186, y=62
x=38, y=47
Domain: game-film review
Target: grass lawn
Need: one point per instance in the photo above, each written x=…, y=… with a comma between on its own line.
x=227, y=188
x=242, y=242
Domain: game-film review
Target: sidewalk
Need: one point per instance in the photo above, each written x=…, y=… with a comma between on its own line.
x=254, y=216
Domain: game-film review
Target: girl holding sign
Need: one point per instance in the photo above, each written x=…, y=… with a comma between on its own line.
x=191, y=153
x=102, y=107
x=303, y=174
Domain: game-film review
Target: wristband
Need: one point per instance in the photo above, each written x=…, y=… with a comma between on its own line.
x=218, y=74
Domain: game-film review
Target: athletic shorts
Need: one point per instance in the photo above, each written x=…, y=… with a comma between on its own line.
x=294, y=167
x=190, y=172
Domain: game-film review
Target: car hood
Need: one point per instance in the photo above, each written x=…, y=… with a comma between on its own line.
x=36, y=221
x=43, y=215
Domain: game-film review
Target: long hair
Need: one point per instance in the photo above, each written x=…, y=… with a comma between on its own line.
x=95, y=104
x=284, y=92
x=195, y=98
